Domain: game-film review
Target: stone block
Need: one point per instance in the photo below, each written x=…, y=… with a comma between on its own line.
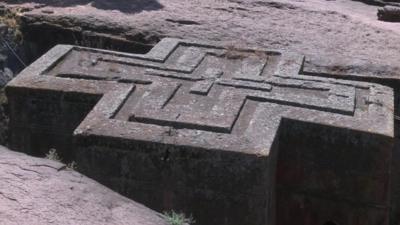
x=232, y=136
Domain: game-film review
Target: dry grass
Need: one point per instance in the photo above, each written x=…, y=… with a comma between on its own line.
x=11, y=20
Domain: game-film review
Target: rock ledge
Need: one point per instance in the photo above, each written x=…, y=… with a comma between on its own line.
x=42, y=191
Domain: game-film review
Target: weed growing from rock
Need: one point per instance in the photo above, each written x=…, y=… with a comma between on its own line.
x=72, y=165
x=53, y=155
x=174, y=218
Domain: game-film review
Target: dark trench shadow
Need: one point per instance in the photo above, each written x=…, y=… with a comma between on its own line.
x=380, y=2
x=125, y=6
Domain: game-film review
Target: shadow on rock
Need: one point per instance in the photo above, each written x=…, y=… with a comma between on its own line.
x=125, y=6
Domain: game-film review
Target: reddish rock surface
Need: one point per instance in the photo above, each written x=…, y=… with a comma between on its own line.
x=341, y=36
x=41, y=191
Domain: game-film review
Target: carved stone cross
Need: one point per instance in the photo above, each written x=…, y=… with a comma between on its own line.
x=234, y=136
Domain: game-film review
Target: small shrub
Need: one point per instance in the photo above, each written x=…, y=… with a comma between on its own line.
x=174, y=218
x=72, y=165
x=11, y=19
x=52, y=154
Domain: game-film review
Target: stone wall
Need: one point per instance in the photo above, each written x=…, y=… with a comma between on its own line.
x=332, y=174
x=46, y=120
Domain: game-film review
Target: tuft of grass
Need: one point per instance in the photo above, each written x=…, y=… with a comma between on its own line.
x=72, y=165
x=174, y=218
x=53, y=155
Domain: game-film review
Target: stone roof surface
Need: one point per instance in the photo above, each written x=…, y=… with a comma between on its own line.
x=205, y=94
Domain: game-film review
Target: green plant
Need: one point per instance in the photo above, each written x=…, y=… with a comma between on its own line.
x=52, y=154
x=72, y=165
x=174, y=218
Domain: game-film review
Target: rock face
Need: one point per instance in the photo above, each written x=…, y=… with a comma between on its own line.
x=41, y=191
x=381, y=2
x=233, y=136
x=389, y=13
x=340, y=35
